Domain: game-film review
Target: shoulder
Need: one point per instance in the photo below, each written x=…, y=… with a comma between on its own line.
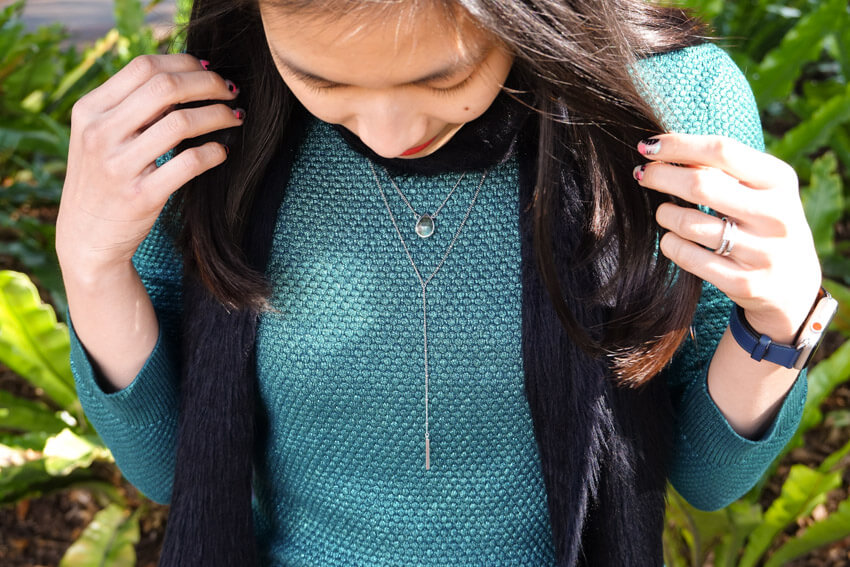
x=700, y=90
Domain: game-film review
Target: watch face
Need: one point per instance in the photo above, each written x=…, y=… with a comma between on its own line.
x=812, y=333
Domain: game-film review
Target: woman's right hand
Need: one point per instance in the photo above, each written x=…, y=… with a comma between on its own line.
x=113, y=190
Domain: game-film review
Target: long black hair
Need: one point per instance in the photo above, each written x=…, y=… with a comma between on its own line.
x=573, y=63
x=574, y=55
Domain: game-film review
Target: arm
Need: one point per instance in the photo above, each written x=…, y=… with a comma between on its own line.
x=113, y=193
x=713, y=464
x=733, y=414
x=139, y=422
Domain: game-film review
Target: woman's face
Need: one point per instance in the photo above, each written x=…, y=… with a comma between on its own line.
x=403, y=84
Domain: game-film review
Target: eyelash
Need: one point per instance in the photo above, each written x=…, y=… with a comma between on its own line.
x=453, y=89
x=320, y=88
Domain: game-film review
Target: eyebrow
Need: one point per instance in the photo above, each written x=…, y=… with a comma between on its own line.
x=444, y=73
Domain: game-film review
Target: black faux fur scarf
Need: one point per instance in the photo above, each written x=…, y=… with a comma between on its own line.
x=604, y=450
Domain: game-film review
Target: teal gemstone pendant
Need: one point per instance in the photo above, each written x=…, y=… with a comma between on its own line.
x=425, y=226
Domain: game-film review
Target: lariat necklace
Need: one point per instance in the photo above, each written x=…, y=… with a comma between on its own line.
x=425, y=224
x=424, y=285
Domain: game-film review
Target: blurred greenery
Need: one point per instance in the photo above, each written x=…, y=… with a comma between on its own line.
x=796, y=55
x=47, y=444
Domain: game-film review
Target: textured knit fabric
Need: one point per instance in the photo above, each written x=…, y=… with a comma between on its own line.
x=340, y=476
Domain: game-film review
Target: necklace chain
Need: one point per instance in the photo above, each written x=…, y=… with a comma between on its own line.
x=423, y=283
x=409, y=206
x=425, y=223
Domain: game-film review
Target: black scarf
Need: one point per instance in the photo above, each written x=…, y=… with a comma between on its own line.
x=603, y=449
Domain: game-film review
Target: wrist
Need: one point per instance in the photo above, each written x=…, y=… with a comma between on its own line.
x=94, y=280
x=795, y=353
x=783, y=325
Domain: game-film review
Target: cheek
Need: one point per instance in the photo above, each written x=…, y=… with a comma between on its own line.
x=466, y=107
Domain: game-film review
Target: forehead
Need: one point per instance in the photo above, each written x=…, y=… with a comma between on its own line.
x=376, y=35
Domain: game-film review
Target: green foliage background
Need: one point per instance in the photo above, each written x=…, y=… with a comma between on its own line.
x=796, y=55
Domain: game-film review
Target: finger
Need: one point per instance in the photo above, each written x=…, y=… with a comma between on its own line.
x=705, y=186
x=134, y=74
x=727, y=276
x=753, y=168
x=162, y=181
x=160, y=93
x=708, y=231
x=177, y=126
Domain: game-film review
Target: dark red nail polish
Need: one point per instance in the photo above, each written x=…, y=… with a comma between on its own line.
x=205, y=64
x=226, y=149
x=231, y=87
x=240, y=114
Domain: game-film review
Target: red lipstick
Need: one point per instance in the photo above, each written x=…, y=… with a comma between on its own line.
x=418, y=149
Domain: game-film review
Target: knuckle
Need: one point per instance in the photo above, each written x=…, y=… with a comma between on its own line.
x=718, y=147
x=113, y=166
x=90, y=138
x=193, y=159
x=81, y=110
x=699, y=187
x=143, y=66
x=177, y=122
x=162, y=85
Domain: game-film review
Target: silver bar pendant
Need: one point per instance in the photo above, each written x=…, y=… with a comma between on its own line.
x=427, y=454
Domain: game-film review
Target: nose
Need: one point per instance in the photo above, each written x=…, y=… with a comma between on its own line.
x=390, y=128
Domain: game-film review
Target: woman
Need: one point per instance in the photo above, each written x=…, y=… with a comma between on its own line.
x=413, y=277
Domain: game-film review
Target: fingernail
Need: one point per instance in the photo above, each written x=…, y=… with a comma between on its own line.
x=240, y=114
x=649, y=147
x=637, y=172
x=226, y=149
x=231, y=87
x=205, y=64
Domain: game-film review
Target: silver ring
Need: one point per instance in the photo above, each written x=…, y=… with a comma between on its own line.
x=727, y=239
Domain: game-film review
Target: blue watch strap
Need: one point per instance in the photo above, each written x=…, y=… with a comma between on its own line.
x=760, y=347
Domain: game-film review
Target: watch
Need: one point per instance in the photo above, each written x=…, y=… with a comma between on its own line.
x=798, y=355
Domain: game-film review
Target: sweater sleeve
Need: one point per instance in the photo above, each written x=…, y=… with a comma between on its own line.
x=699, y=90
x=139, y=422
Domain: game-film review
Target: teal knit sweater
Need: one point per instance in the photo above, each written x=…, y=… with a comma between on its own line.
x=339, y=475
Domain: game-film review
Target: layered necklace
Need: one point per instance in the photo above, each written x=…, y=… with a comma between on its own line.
x=426, y=224
x=423, y=282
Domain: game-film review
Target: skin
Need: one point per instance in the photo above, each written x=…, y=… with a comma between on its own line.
x=380, y=85
x=773, y=271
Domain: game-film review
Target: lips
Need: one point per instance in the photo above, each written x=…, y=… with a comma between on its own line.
x=418, y=149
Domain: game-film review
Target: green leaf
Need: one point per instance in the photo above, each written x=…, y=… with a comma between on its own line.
x=25, y=415
x=92, y=56
x=744, y=517
x=803, y=490
x=823, y=201
x=107, y=540
x=823, y=379
x=835, y=527
x=838, y=418
x=68, y=451
x=841, y=293
x=833, y=462
x=778, y=71
x=129, y=17
x=32, y=343
x=810, y=135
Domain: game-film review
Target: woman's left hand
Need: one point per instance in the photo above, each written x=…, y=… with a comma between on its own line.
x=772, y=271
